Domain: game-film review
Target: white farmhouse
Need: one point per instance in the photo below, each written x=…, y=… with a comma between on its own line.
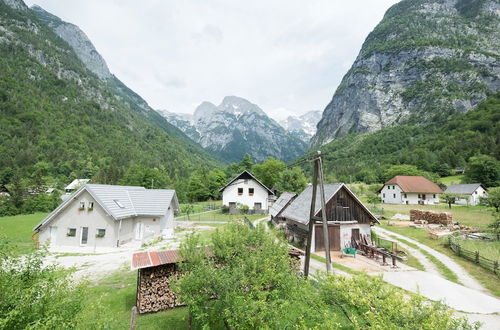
x=403, y=189
x=108, y=216
x=472, y=193
x=246, y=189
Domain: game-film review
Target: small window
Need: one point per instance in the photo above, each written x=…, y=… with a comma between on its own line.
x=82, y=205
x=406, y=196
x=250, y=191
x=71, y=232
x=100, y=233
x=240, y=191
x=394, y=195
x=434, y=196
x=257, y=206
x=117, y=202
x=91, y=206
x=383, y=195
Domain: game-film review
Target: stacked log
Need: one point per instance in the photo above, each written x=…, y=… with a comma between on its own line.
x=442, y=218
x=154, y=292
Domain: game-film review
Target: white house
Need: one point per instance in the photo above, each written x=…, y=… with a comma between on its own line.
x=472, y=193
x=347, y=218
x=108, y=216
x=403, y=189
x=246, y=189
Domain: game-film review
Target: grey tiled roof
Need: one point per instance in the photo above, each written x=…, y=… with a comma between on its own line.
x=299, y=209
x=280, y=204
x=464, y=189
x=123, y=202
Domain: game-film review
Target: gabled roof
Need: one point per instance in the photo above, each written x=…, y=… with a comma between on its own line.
x=245, y=175
x=414, y=184
x=122, y=202
x=300, y=208
x=463, y=189
x=76, y=183
x=281, y=203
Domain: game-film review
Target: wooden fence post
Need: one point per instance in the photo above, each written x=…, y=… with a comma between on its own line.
x=458, y=249
x=495, y=267
x=477, y=257
x=133, y=318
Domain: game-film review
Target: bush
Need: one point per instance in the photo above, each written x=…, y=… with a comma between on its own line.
x=225, y=209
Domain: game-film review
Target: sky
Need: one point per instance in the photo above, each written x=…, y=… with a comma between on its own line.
x=286, y=56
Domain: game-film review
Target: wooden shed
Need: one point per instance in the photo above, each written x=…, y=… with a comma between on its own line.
x=347, y=218
x=155, y=272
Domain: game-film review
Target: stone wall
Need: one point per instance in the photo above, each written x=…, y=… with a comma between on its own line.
x=443, y=218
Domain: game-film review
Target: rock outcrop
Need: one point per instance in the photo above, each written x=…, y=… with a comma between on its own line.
x=303, y=126
x=424, y=61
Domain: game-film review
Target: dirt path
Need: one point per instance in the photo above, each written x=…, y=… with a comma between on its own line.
x=461, y=273
x=428, y=265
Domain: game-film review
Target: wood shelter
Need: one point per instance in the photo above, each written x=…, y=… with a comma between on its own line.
x=347, y=217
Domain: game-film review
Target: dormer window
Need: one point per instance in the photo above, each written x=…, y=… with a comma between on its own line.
x=82, y=206
x=117, y=202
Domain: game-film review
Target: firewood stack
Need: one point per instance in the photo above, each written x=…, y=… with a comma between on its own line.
x=442, y=218
x=155, y=293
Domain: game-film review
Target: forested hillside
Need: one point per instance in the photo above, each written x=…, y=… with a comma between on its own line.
x=59, y=121
x=432, y=147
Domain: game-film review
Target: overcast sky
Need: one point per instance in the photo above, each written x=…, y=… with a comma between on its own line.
x=286, y=56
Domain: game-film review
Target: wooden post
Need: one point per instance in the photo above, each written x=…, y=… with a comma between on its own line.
x=458, y=249
x=326, y=236
x=495, y=267
x=477, y=257
x=133, y=318
x=311, y=221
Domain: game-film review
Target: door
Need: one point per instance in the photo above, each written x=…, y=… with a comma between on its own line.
x=139, y=230
x=333, y=235
x=53, y=235
x=85, y=236
x=355, y=234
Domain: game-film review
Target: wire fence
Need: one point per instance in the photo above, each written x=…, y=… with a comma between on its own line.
x=474, y=256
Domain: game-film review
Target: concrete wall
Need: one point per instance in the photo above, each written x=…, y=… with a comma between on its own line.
x=392, y=194
x=73, y=217
x=230, y=194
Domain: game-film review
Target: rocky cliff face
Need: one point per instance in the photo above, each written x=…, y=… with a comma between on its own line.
x=304, y=126
x=237, y=127
x=426, y=60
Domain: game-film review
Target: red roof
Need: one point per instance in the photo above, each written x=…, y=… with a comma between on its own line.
x=414, y=184
x=151, y=259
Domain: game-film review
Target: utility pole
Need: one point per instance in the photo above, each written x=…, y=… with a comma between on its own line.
x=317, y=174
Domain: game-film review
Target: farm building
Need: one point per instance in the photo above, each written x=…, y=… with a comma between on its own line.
x=347, y=217
x=155, y=271
x=246, y=189
x=279, y=206
x=470, y=194
x=403, y=189
x=108, y=216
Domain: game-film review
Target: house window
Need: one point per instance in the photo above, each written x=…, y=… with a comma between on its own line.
x=250, y=191
x=418, y=195
x=240, y=191
x=117, y=202
x=406, y=196
x=71, y=232
x=91, y=206
x=257, y=206
x=393, y=195
x=100, y=233
x=82, y=205
x=383, y=195
x=434, y=196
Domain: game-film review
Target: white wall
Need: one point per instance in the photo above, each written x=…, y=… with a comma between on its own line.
x=346, y=233
x=473, y=199
x=72, y=217
x=392, y=194
x=230, y=194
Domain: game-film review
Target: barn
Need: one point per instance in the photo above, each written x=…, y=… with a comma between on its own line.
x=347, y=218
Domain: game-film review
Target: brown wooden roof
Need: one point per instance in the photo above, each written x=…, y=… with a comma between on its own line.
x=414, y=184
x=151, y=259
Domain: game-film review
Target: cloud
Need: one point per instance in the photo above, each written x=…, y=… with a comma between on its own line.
x=280, y=54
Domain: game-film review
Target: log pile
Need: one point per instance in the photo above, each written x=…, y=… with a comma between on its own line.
x=154, y=293
x=442, y=218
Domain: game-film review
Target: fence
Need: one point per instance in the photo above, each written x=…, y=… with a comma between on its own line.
x=474, y=256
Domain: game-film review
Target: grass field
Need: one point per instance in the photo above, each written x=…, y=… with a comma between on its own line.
x=487, y=249
x=112, y=299
x=488, y=279
x=18, y=230
x=474, y=216
x=449, y=180
x=200, y=207
x=217, y=215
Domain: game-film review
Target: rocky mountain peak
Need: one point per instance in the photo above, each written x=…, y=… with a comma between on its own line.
x=78, y=41
x=303, y=126
x=16, y=4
